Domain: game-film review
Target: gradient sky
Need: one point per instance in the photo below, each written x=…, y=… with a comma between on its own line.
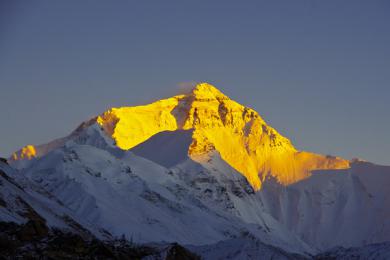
x=317, y=71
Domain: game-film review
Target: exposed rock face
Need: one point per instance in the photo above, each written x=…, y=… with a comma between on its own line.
x=3, y=160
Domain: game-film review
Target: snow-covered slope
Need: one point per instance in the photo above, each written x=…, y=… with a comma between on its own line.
x=147, y=202
x=24, y=203
x=336, y=207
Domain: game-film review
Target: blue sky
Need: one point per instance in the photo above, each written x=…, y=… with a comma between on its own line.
x=317, y=71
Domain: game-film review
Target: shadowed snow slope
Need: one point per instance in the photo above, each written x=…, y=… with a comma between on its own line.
x=369, y=252
x=166, y=148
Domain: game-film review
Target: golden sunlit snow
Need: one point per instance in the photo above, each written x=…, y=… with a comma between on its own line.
x=28, y=152
x=238, y=133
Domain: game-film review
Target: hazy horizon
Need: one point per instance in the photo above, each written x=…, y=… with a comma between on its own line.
x=318, y=72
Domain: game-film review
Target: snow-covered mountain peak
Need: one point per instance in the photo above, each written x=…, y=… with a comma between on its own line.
x=217, y=123
x=240, y=135
x=206, y=91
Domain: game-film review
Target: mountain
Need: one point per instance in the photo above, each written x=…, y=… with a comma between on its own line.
x=237, y=133
x=201, y=170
